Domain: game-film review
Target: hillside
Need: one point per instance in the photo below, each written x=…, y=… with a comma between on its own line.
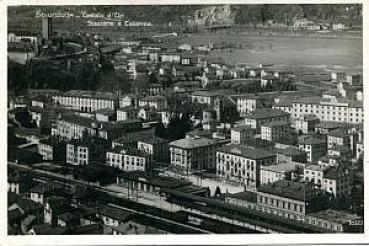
x=210, y=14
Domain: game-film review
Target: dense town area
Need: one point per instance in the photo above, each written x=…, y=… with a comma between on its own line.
x=143, y=134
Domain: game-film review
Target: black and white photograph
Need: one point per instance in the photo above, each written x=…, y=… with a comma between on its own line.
x=185, y=119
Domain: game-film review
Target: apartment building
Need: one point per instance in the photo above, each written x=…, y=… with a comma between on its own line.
x=247, y=103
x=193, y=153
x=279, y=171
x=334, y=180
x=157, y=147
x=157, y=102
x=286, y=199
x=264, y=116
x=128, y=159
x=343, y=138
x=77, y=154
x=240, y=135
x=242, y=164
x=314, y=147
x=73, y=127
x=275, y=131
x=306, y=124
x=87, y=101
x=126, y=113
x=329, y=109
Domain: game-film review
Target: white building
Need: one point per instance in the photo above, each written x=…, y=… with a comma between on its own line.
x=87, y=101
x=158, y=102
x=193, y=153
x=345, y=111
x=128, y=159
x=247, y=103
x=242, y=164
x=264, y=116
x=280, y=171
x=77, y=154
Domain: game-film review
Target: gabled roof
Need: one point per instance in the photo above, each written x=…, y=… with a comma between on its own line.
x=264, y=113
x=287, y=189
x=245, y=151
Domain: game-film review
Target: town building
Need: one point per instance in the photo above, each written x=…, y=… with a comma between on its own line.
x=77, y=155
x=73, y=127
x=158, y=102
x=344, y=138
x=248, y=103
x=306, y=124
x=286, y=199
x=328, y=109
x=128, y=159
x=193, y=153
x=264, y=116
x=128, y=100
x=87, y=101
x=157, y=147
x=279, y=171
x=338, y=181
x=87, y=150
x=275, y=131
x=314, y=147
x=241, y=134
x=106, y=115
x=156, y=89
x=51, y=149
x=290, y=154
x=242, y=164
x=336, y=221
x=126, y=113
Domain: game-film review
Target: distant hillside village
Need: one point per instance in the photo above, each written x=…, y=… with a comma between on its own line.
x=145, y=136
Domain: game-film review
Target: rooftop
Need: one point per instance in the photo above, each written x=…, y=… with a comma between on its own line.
x=334, y=173
x=276, y=124
x=191, y=143
x=154, y=140
x=245, y=195
x=337, y=216
x=153, y=98
x=290, y=151
x=245, y=151
x=91, y=94
x=288, y=189
x=315, y=168
x=105, y=111
x=311, y=141
x=280, y=167
x=128, y=109
x=113, y=213
x=263, y=113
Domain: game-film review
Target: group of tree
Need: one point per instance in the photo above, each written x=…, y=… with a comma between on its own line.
x=176, y=129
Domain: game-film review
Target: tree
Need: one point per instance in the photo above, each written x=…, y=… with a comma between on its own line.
x=217, y=192
x=160, y=131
